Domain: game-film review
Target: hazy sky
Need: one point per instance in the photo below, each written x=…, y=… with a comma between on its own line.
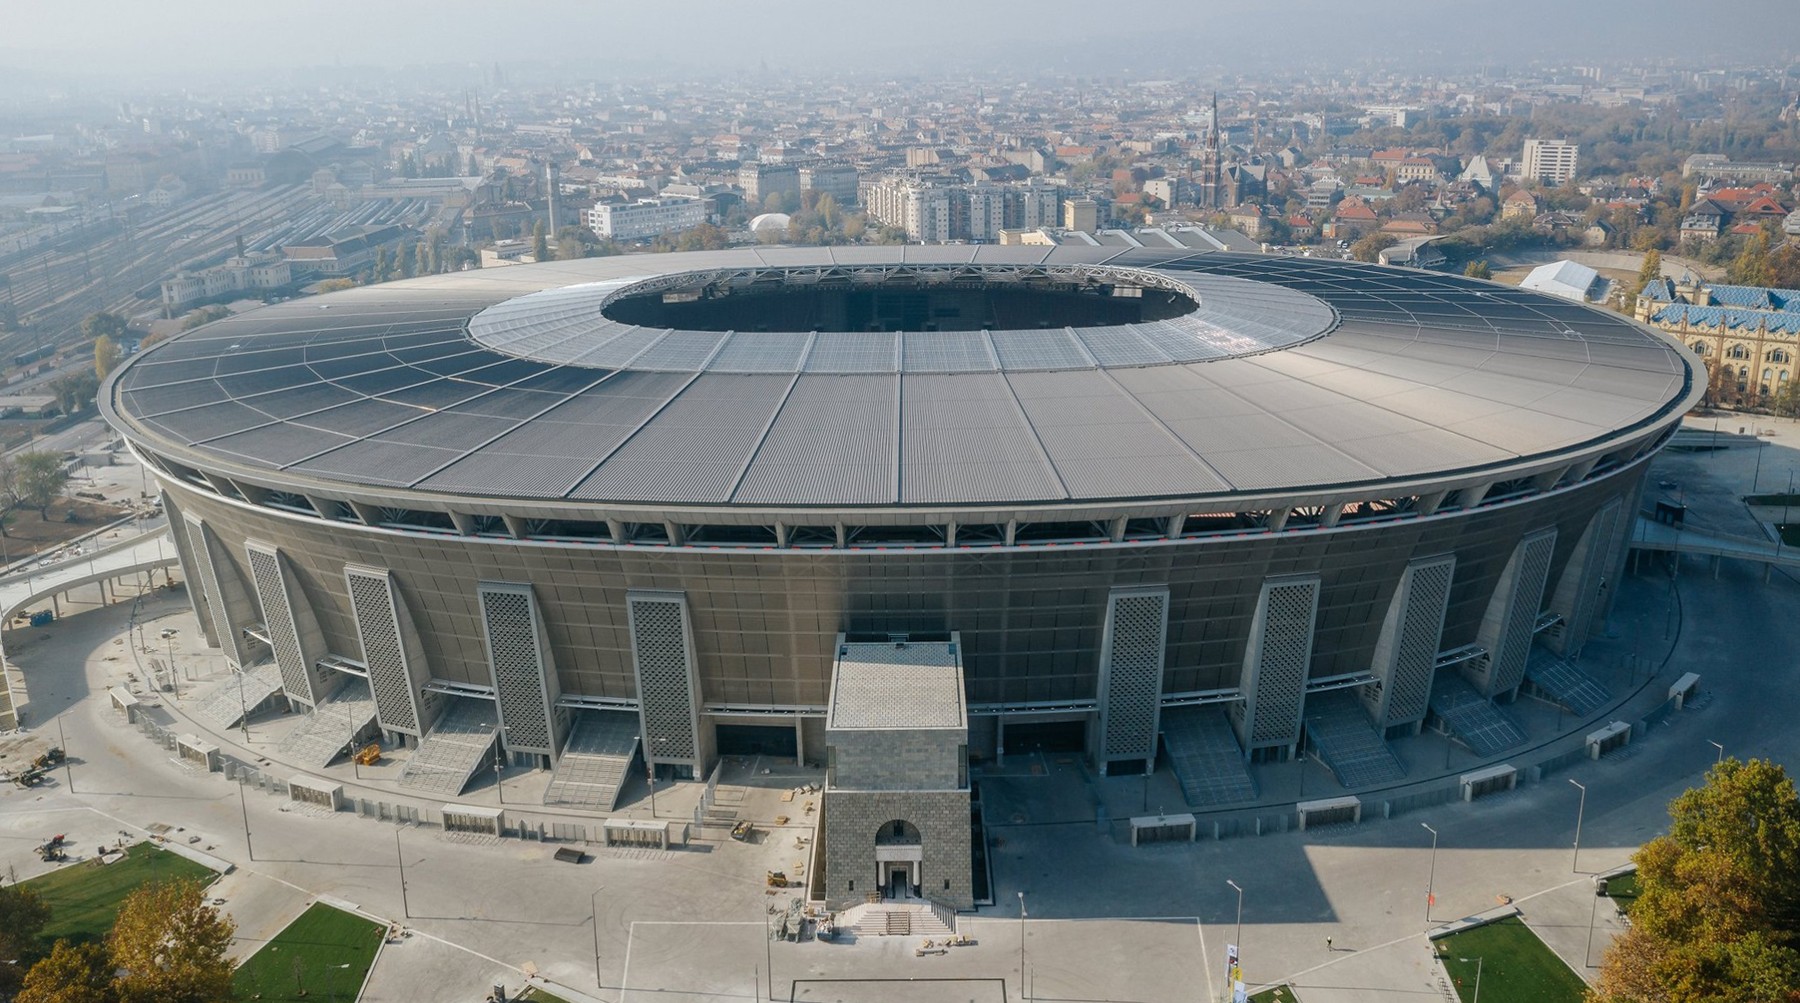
x=111, y=40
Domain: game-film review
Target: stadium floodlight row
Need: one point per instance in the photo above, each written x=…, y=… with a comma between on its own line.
x=652, y=494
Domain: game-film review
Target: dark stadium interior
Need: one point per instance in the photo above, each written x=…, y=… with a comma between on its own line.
x=897, y=307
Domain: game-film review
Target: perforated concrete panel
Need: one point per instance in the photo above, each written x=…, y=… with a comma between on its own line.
x=227, y=601
x=662, y=651
x=293, y=630
x=1131, y=672
x=1581, y=587
x=391, y=650
x=1512, y=613
x=524, y=675
x=190, y=570
x=1406, y=653
x=1276, y=661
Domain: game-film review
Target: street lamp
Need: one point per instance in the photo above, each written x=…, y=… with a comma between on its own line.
x=499, y=786
x=1431, y=876
x=1574, y=865
x=1238, y=937
x=1021, y=944
x=1477, y=961
x=406, y=907
x=1589, y=953
x=593, y=903
x=249, y=847
x=649, y=771
x=1719, y=747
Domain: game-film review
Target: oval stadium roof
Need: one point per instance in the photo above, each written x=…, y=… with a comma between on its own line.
x=1290, y=375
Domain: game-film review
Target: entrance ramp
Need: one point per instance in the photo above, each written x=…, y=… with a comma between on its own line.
x=1565, y=685
x=1473, y=719
x=595, y=760
x=459, y=743
x=329, y=729
x=223, y=705
x=1206, y=756
x=1348, y=742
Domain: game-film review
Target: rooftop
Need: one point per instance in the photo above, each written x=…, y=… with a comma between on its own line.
x=897, y=684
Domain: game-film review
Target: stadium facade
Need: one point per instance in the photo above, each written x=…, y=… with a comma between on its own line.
x=670, y=495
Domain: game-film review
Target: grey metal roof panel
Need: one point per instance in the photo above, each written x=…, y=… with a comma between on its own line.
x=1400, y=452
x=833, y=443
x=376, y=461
x=1276, y=467
x=1102, y=442
x=563, y=445
x=277, y=445
x=855, y=352
x=696, y=447
x=963, y=436
x=760, y=352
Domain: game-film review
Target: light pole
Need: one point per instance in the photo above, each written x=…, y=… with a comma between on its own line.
x=499, y=788
x=1238, y=937
x=649, y=771
x=63, y=743
x=1021, y=944
x=1575, y=865
x=1431, y=876
x=405, y=907
x=1589, y=953
x=594, y=904
x=249, y=847
x=1477, y=961
x=1719, y=747
x=243, y=711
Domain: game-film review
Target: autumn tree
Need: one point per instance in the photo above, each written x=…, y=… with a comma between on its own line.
x=1479, y=270
x=38, y=478
x=106, y=355
x=204, y=315
x=70, y=973
x=1369, y=248
x=1718, y=911
x=169, y=946
x=75, y=391
x=1751, y=266
x=1649, y=271
x=22, y=916
x=540, y=242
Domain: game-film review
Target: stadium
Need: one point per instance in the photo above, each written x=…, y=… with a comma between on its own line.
x=1141, y=504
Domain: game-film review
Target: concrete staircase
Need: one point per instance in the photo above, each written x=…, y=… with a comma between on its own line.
x=1349, y=743
x=595, y=760
x=899, y=918
x=1207, y=760
x=327, y=732
x=1473, y=719
x=460, y=743
x=223, y=705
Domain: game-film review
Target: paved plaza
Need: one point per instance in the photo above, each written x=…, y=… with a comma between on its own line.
x=1105, y=920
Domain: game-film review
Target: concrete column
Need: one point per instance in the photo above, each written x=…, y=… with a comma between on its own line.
x=1000, y=739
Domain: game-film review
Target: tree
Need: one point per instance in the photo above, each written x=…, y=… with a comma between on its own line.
x=422, y=259
x=1751, y=266
x=70, y=973
x=75, y=391
x=22, y=915
x=1369, y=248
x=381, y=264
x=106, y=356
x=1649, y=271
x=1479, y=270
x=540, y=242
x=38, y=479
x=335, y=285
x=103, y=323
x=1718, y=911
x=169, y=946
x=205, y=315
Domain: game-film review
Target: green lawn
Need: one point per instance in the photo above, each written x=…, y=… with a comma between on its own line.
x=1790, y=533
x=84, y=898
x=1275, y=994
x=1516, y=966
x=325, y=954
x=1774, y=499
x=1623, y=890
x=536, y=995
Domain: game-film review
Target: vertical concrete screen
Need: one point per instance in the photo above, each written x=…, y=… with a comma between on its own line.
x=1131, y=672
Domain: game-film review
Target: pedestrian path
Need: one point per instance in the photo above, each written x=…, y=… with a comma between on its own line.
x=1207, y=760
x=595, y=759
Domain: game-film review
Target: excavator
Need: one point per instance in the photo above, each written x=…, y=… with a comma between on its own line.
x=369, y=754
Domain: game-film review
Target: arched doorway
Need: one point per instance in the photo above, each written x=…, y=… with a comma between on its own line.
x=899, y=858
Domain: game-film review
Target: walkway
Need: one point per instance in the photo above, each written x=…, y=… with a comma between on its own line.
x=1652, y=535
